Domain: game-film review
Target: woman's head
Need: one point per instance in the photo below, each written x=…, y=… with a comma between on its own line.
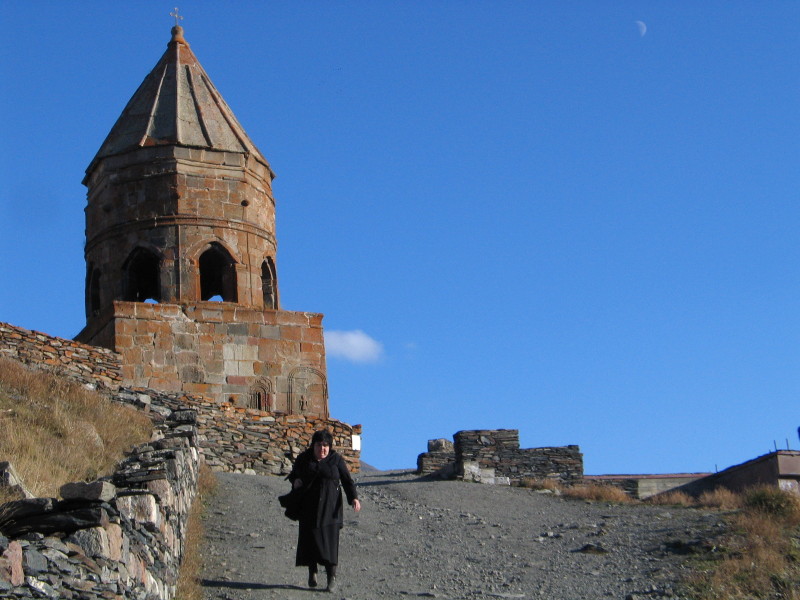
x=321, y=442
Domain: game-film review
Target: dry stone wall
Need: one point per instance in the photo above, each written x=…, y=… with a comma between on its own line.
x=91, y=365
x=439, y=458
x=118, y=537
x=243, y=440
x=494, y=456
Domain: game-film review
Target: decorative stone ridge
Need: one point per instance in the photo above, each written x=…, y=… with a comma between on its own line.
x=244, y=440
x=97, y=367
x=120, y=537
x=494, y=456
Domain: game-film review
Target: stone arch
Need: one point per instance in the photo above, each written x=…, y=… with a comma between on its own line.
x=262, y=395
x=308, y=389
x=217, y=273
x=269, y=283
x=141, y=276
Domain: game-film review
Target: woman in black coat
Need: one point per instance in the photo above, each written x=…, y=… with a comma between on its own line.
x=322, y=472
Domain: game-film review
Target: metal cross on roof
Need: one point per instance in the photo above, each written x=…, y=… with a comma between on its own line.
x=177, y=16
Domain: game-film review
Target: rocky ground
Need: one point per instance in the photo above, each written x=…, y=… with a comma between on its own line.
x=450, y=539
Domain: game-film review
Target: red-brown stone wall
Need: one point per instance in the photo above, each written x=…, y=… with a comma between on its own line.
x=223, y=351
x=174, y=202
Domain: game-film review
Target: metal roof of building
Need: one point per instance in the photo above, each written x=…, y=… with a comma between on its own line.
x=177, y=104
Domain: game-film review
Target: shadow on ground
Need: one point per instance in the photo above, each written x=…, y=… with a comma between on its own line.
x=244, y=585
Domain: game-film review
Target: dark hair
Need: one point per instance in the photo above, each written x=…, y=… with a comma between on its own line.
x=323, y=436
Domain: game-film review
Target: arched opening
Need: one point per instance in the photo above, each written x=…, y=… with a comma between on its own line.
x=261, y=396
x=141, y=281
x=269, y=284
x=217, y=275
x=92, y=290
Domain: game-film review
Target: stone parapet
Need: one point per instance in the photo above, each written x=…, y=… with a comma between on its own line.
x=119, y=537
x=92, y=365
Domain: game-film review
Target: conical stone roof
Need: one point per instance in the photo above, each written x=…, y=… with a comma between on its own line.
x=177, y=104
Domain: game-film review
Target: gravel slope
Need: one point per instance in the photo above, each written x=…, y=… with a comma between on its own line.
x=450, y=539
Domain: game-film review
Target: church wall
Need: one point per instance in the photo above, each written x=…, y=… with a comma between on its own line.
x=231, y=353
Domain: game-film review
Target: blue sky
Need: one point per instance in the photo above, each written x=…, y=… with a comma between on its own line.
x=530, y=215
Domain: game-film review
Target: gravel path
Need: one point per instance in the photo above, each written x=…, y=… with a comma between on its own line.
x=450, y=539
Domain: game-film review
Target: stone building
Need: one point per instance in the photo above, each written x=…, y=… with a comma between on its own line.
x=181, y=252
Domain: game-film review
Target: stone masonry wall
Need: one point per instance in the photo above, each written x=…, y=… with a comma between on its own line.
x=268, y=359
x=87, y=364
x=494, y=456
x=242, y=440
x=119, y=537
x=231, y=438
x=439, y=458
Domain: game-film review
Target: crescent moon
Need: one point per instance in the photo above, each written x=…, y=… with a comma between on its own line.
x=642, y=27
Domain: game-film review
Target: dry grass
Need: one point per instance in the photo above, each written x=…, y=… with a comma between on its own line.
x=56, y=431
x=189, y=586
x=541, y=483
x=721, y=498
x=597, y=493
x=672, y=498
x=761, y=556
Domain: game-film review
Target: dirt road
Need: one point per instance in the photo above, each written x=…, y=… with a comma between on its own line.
x=450, y=539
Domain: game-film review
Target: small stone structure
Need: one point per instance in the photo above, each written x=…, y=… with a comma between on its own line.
x=231, y=438
x=119, y=537
x=494, y=456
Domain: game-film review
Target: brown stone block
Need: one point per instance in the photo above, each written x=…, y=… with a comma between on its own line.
x=124, y=326
x=318, y=349
x=312, y=334
x=123, y=341
x=291, y=333
x=142, y=340
x=237, y=380
x=197, y=388
x=286, y=317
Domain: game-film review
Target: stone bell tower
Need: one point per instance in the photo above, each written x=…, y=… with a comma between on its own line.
x=181, y=275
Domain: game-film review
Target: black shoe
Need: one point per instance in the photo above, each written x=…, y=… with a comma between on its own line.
x=331, y=583
x=312, y=579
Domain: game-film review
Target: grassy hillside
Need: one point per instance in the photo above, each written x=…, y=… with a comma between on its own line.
x=55, y=431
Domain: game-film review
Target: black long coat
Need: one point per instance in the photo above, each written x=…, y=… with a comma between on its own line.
x=321, y=516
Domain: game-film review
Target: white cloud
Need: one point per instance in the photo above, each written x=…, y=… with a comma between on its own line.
x=355, y=346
